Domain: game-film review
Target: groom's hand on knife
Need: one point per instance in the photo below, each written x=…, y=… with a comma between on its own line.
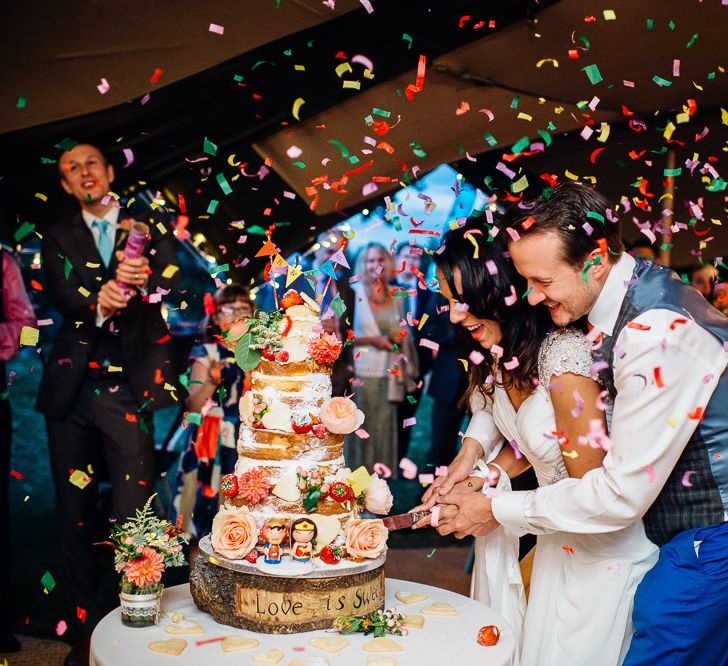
x=466, y=513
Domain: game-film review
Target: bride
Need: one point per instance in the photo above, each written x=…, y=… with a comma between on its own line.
x=530, y=385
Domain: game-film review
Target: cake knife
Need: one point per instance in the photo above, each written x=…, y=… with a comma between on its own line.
x=404, y=520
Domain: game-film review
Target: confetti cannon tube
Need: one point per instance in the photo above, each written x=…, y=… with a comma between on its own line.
x=135, y=243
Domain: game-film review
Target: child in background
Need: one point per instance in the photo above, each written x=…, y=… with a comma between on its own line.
x=216, y=384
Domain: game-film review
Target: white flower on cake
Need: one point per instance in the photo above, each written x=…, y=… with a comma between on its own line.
x=234, y=532
x=341, y=416
x=378, y=496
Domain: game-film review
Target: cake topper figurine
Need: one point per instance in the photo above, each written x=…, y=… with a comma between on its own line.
x=274, y=531
x=303, y=534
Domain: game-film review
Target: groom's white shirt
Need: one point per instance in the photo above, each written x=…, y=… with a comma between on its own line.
x=650, y=424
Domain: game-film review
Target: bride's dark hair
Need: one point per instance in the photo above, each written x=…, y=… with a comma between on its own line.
x=487, y=281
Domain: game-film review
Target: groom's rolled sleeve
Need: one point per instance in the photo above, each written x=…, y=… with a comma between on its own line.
x=665, y=370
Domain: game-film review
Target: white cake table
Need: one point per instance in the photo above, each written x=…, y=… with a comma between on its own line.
x=443, y=640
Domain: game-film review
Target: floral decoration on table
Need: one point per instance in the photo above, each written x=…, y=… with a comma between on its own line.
x=144, y=547
x=388, y=621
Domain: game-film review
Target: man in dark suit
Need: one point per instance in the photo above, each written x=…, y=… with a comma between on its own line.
x=110, y=366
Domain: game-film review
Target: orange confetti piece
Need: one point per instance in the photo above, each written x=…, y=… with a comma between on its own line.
x=697, y=414
x=658, y=378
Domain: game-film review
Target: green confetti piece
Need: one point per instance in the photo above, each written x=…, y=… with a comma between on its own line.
x=382, y=112
x=223, y=268
x=585, y=42
x=592, y=71
x=397, y=224
x=67, y=267
x=255, y=229
x=407, y=38
x=459, y=146
x=213, y=206
x=209, y=147
x=526, y=293
x=595, y=216
x=545, y=136
x=143, y=426
x=343, y=150
x=25, y=229
x=195, y=418
x=411, y=400
x=672, y=172
x=650, y=24
x=66, y=144
x=514, y=101
x=661, y=82
x=490, y=139
x=22, y=101
x=48, y=160
x=520, y=145
x=432, y=554
x=671, y=25
x=224, y=185
x=299, y=164
x=221, y=395
x=260, y=63
x=551, y=127
x=711, y=76
x=417, y=149
x=47, y=581
x=692, y=41
x=238, y=78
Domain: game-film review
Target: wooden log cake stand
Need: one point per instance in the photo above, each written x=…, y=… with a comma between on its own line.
x=236, y=593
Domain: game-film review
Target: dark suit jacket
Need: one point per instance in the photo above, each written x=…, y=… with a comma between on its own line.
x=67, y=250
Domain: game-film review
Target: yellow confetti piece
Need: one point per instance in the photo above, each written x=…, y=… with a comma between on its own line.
x=84, y=292
x=543, y=61
x=423, y=319
x=232, y=162
x=667, y=195
x=368, y=74
x=342, y=68
x=169, y=271
x=162, y=229
x=669, y=129
x=115, y=368
x=29, y=336
x=604, y=133
x=464, y=362
x=524, y=116
x=476, y=251
x=682, y=118
x=609, y=15
x=559, y=110
x=520, y=185
x=300, y=68
x=724, y=116
x=356, y=85
x=79, y=478
x=672, y=422
x=41, y=196
x=297, y=107
x=92, y=265
x=571, y=176
x=569, y=454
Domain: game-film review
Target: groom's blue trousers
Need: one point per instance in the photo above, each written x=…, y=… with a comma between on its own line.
x=680, y=611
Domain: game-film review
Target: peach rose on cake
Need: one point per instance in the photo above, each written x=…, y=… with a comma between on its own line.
x=378, y=496
x=366, y=538
x=341, y=416
x=234, y=532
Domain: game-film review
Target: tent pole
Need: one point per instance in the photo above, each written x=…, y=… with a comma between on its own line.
x=664, y=257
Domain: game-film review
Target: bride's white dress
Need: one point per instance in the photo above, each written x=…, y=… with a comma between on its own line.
x=582, y=585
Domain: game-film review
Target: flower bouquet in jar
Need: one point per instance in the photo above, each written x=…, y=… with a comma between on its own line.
x=144, y=547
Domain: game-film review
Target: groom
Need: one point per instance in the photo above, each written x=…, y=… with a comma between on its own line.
x=660, y=350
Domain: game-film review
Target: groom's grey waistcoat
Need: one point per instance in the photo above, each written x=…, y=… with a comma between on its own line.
x=680, y=506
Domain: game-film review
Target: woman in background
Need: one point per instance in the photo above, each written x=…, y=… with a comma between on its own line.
x=384, y=360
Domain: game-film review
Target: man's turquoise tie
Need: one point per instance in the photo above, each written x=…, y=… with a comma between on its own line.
x=104, y=242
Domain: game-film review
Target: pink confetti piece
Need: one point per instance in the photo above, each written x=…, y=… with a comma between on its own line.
x=461, y=307
x=512, y=364
x=293, y=152
x=367, y=5
x=497, y=351
x=435, y=515
x=205, y=641
x=45, y=322
x=363, y=60
x=510, y=300
x=408, y=423
x=596, y=436
x=579, y=406
x=61, y=627
x=476, y=358
x=426, y=479
x=488, y=113
x=129, y=154
x=145, y=99
x=441, y=471
x=650, y=473
x=686, y=478
x=382, y=470
x=409, y=469
x=103, y=87
x=514, y=445
x=429, y=344
x=217, y=29
x=676, y=67
x=492, y=268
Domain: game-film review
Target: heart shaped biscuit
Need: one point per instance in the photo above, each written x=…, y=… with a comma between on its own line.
x=382, y=645
x=186, y=627
x=331, y=644
x=287, y=489
x=413, y=621
x=327, y=529
x=173, y=646
x=272, y=656
x=381, y=660
x=410, y=597
x=440, y=608
x=235, y=643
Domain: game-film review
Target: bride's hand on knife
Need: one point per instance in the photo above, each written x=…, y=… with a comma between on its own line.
x=466, y=514
x=459, y=470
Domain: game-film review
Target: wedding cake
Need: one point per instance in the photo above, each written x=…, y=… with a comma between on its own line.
x=288, y=551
